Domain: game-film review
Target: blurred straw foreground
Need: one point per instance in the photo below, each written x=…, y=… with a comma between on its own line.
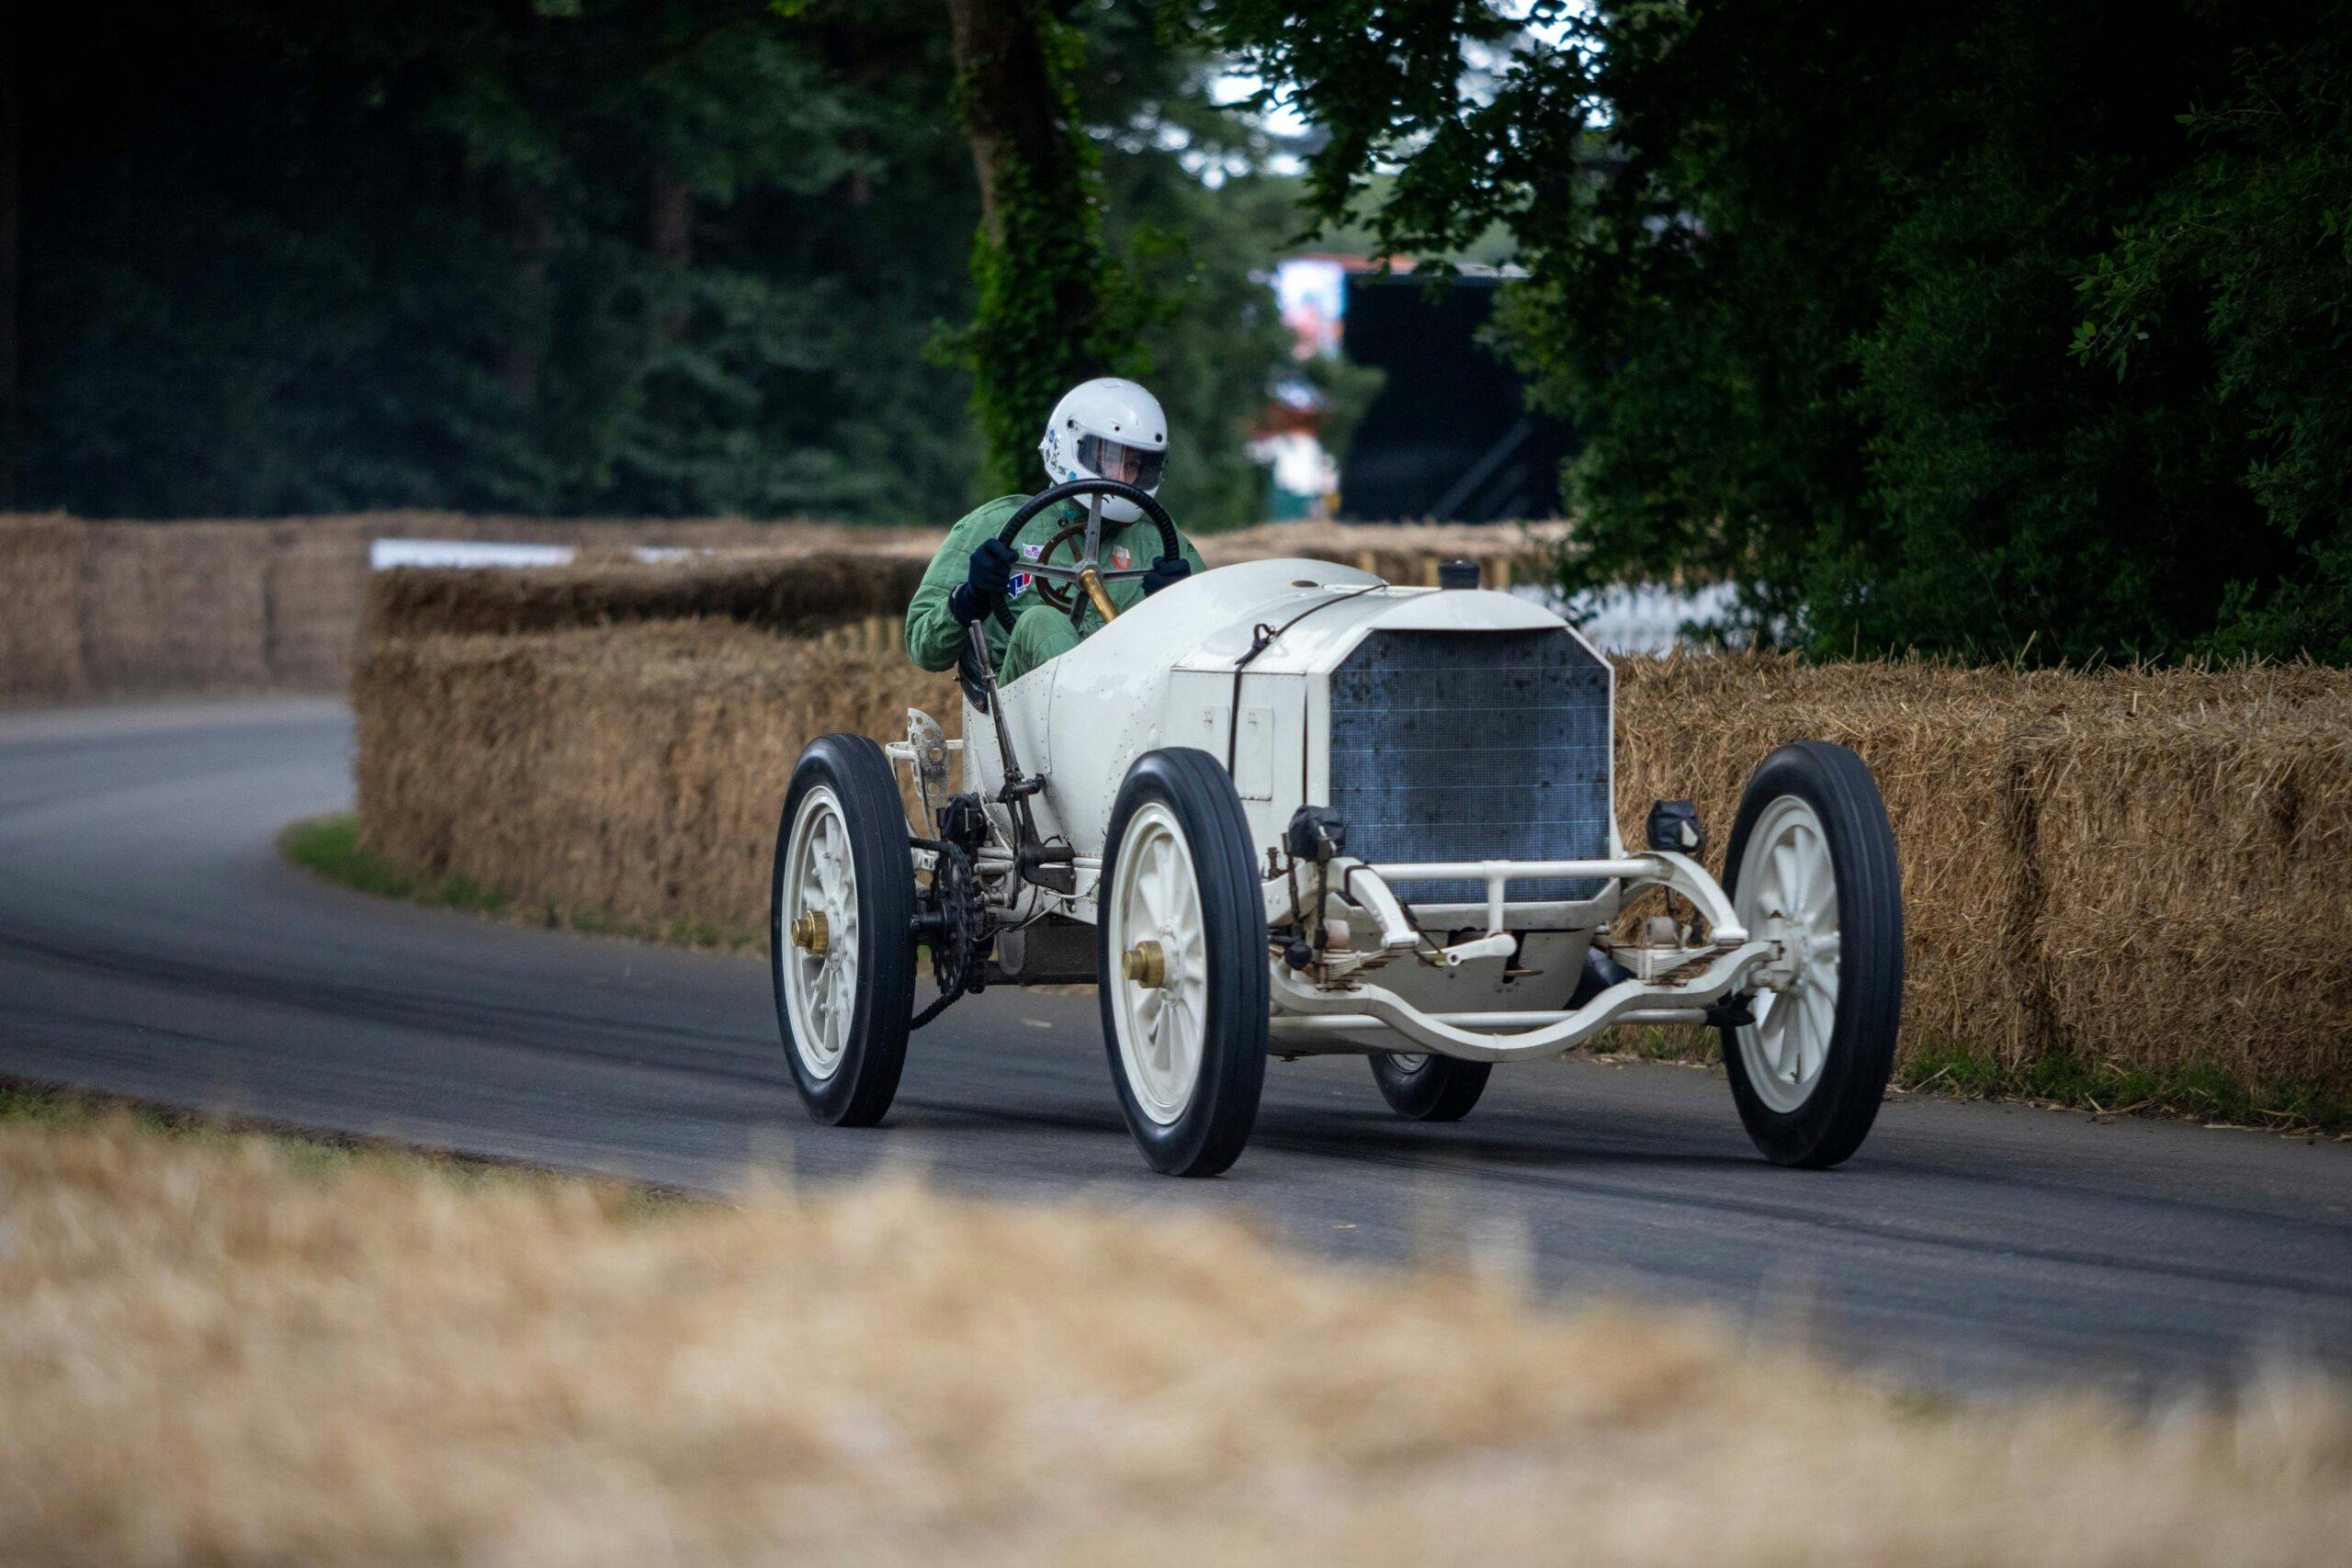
x=222, y=1350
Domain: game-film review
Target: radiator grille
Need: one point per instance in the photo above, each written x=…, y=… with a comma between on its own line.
x=1488, y=745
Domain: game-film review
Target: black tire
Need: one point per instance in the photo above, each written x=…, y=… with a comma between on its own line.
x=856, y=1088
x=1836, y=1116
x=1213, y=1127
x=1431, y=1088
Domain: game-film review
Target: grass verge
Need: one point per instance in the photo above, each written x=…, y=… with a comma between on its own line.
x=217, y=1348
x=1959, y=1070
x=332, y=847
x=2197, y=1092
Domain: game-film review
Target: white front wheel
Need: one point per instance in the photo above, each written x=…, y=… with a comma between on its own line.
x=1180, y=937
x=1788, y=894
x=1161, y=993
x=1810, y=869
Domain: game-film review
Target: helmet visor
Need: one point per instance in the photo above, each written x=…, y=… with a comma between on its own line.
x=1115, y=459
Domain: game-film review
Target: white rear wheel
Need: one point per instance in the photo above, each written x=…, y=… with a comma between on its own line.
x=817, y=931
x=841, y=930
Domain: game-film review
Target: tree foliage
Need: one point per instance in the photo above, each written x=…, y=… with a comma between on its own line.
x=1105, y=253
x=1983, y=327
x=654, y=256
x=2256, y=236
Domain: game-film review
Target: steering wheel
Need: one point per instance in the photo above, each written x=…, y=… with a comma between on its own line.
x=1085, y=571
x=1062, y=596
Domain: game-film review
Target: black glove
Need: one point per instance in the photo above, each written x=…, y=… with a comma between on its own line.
x=1165, y=571
x=986, y=581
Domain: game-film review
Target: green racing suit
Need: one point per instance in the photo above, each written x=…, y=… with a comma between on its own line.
x=1039, y=631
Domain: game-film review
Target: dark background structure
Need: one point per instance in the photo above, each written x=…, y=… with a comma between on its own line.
x=1450, y=435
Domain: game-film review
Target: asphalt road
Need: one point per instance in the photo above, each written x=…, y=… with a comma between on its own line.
x=151, y=943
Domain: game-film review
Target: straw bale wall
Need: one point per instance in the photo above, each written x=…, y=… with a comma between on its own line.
x=636, y=769
x=41, y=608
x=1696, y=728
x=788, y=594
x=106, y=608
x=313, y=590
x=94, y=609
x=2127, y=866
x=2189, y=854
x=187, y=599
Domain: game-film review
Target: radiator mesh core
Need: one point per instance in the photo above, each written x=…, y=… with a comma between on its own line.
x=1486, y=745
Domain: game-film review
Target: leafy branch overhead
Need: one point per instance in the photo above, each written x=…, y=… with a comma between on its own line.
x=1987, y=328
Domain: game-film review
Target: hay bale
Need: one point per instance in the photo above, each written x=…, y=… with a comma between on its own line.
x=818, y=584
x=40, y=615
x=314, y=587
x=618, y=535
x=176, y=606
x=1697, y=726
x=2120, y=866
x=637, y=768
x=2191, y=832
x=788, y=596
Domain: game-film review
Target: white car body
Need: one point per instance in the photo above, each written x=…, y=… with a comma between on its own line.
x=1466, y=936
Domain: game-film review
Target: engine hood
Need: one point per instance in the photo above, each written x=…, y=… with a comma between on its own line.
x=1208, y=623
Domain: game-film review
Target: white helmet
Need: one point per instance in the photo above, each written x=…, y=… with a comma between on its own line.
x=1107, y=429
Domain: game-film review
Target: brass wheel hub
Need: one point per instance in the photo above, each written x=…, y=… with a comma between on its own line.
x=1145, y=965
x=809, y=931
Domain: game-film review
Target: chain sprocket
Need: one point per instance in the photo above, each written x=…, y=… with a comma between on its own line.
x=960, y=936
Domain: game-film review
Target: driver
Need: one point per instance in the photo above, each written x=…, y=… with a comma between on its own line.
x=1106, y=428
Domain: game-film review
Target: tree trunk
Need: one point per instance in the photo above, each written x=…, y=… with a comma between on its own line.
x=532, y=235
x=1010, y=105
x=1039, y=271
x=671, y=216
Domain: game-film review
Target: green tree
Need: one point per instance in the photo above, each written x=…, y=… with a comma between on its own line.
x=610, y=257
x=1197, y=227
x=2254, y=237
x=1104, y=251
x=616, y=255
x=1810, y=276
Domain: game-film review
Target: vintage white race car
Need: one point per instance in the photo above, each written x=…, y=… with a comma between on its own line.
x=1287, y=808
